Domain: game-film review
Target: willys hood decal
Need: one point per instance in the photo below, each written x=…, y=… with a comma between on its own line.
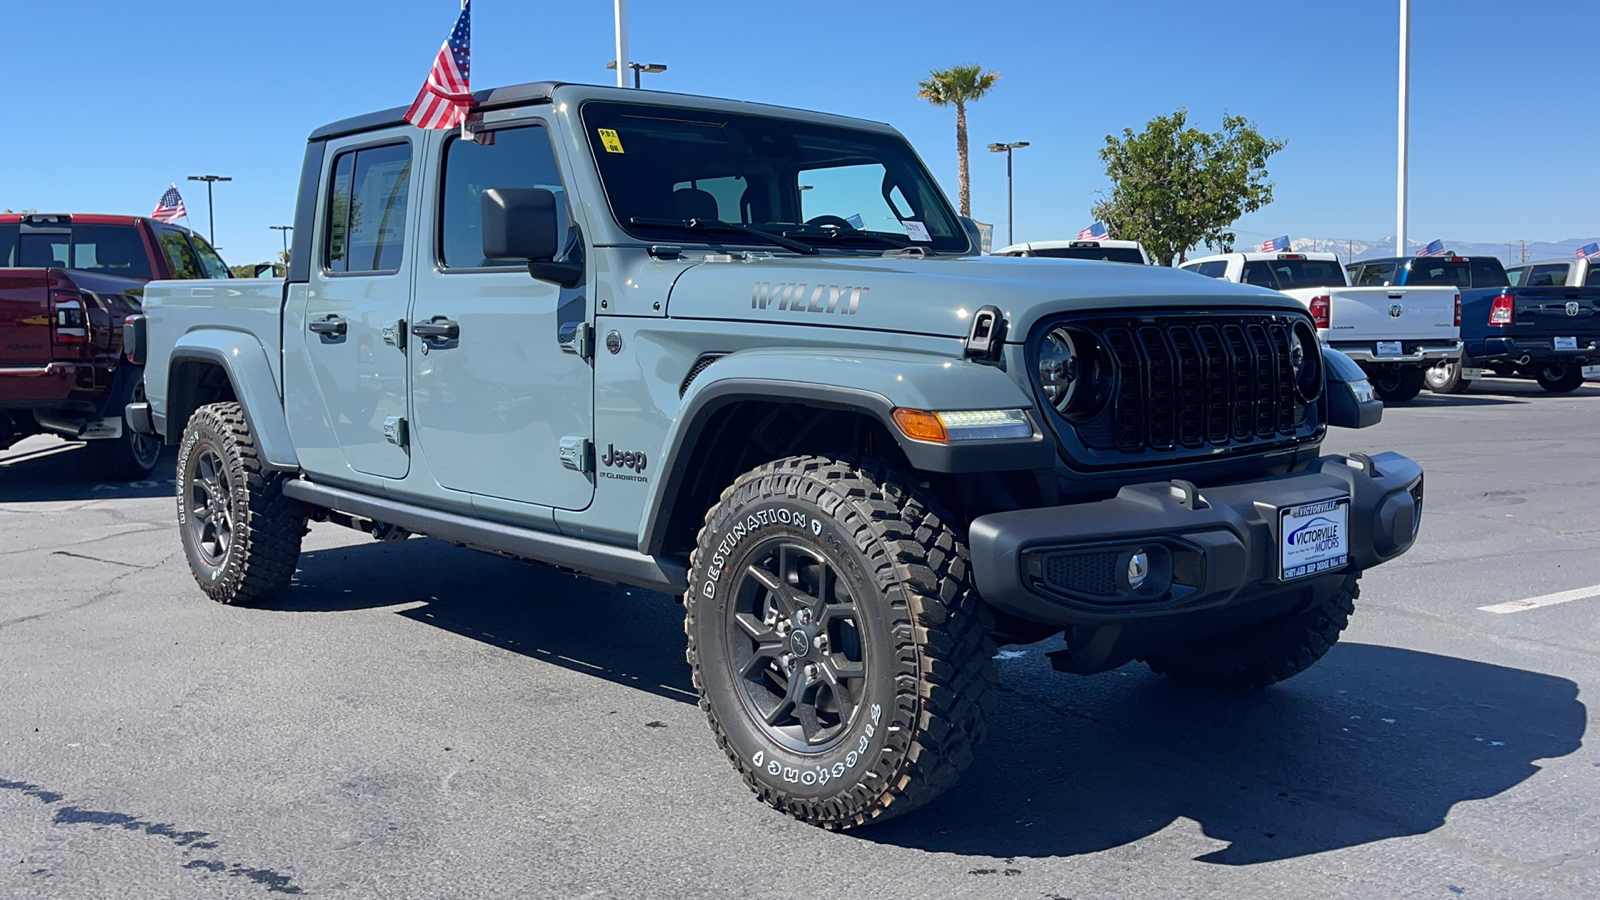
x=937, y=296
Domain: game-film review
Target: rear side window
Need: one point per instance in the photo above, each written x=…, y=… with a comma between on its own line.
x=1486, y=272
x=1213, y=269
x=1376, y=275
x=1548, y=276
x=518, y=158
x=8, y=246
x=103, y=249
x=1590, y=280
x=367, y=203
x=1514, y=276
x=1260, y=274
x=180, y=256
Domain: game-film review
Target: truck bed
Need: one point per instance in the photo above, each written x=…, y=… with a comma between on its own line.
x=174, y=308
x=1362, y=318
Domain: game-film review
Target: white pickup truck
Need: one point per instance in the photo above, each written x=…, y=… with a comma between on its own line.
x=1394, y=333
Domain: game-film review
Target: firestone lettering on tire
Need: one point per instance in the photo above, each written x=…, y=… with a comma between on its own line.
x=820, y=775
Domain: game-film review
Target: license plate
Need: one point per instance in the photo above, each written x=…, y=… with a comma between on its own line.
x=1472, y=374
x=1566, y=343
x=1314, y=538
x=1591, y=371
x=102, y=429
x=1389, y=348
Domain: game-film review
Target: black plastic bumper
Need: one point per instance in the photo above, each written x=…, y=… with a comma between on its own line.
x=1536, y=350
x=1210, y=548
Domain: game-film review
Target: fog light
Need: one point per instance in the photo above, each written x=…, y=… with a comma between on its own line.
x=1138, y=569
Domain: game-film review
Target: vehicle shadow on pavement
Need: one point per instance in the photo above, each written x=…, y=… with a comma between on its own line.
x=62, y=471
x=1374, y=743
x=627, y=635
x=1446, y=401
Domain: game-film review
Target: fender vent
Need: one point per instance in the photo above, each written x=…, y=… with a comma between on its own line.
x=699, y=366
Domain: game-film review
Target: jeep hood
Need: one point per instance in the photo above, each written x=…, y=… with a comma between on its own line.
x=937, y=296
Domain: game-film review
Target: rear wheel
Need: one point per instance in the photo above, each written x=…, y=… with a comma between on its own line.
x=1445, y=378
x=1397, y=384
x=131, y=457
x=1559, y=378
x=240, y=533
x=1265, y=653
x=842, y=657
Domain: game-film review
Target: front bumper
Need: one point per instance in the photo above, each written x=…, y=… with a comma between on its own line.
x=1414, y=351
x=1218, y=546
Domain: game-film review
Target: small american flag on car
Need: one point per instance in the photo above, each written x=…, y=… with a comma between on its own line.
x=1587, y=250
x=1095, y=232
x=447, y=94
x=1434, y=249
x=170, y=207
x=1276, y=245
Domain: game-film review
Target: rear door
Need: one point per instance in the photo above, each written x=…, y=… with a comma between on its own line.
x=24, y=306
x=345, y=392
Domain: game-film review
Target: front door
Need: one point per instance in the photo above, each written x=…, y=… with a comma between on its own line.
x=495, y=393
x=354, y=411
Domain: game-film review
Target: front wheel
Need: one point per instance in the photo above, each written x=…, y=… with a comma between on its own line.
x=842, y=657
x=1445, y=378
x=1397, y=384
x=1559, y=378
x=240, y=533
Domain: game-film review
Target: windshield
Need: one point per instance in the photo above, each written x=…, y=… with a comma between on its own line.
x=1288, y=274
x=824, y=185
x=1109, y=254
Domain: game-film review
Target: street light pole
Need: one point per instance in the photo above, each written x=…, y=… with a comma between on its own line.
x=284, y=229
x=1405, y=125
x=211, y=216
x=652, y=68
x=1011, y=237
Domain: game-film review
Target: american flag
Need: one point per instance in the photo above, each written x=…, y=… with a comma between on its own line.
x=1434, y=249
x=1095, y=232
x=1587, y=250
x=1276, y=245
x=447, y=94
x=170, y=207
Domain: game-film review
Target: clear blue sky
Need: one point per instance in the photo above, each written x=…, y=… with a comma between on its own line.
x=115, y=99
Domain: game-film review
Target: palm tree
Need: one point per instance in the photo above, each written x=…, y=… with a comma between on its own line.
x=957, y=86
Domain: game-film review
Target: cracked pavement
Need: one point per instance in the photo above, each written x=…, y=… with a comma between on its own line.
x=415, y=720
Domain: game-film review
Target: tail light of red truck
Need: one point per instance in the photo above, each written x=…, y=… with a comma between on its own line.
x=1500, y=310
x=69, y=323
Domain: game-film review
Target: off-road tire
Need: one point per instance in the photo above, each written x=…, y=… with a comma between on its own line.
x=1445, y=378
x=1398, y=385
x=1560, y=378
x=131, y=457
x=924, y=637
x=1266, y=653
x=264, y=529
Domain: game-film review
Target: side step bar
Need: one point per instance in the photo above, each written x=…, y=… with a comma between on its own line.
x=601, y=561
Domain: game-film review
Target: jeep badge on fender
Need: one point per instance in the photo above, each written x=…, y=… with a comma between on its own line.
x=618, y=459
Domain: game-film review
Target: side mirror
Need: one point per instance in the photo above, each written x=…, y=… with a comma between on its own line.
x=525, y=224
x=1352, y=401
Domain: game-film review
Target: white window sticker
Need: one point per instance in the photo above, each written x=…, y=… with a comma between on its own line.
x=916, y=231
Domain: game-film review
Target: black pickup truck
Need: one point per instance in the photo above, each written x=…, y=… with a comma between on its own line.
x=1548, y=333
x=67, y=283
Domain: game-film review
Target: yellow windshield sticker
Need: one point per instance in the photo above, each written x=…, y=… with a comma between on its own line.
x=608, y=137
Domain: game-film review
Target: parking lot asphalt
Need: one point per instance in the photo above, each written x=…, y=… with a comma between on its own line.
x=419, y=721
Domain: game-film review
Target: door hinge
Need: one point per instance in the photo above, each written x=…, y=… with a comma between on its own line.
x=394, y=430
x=394, y=334
x=577, y=454
x=578, y=337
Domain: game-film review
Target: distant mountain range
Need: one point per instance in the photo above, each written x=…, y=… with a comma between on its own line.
x=1508, y=253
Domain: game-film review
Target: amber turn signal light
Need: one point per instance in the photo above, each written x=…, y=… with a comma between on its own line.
x=921, y=425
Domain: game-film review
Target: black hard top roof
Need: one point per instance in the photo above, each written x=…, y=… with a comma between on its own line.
x=535, y=92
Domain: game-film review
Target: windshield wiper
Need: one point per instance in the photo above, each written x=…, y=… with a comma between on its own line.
x=730, y=227
x=834, y=233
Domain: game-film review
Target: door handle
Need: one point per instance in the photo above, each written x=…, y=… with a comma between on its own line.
x=330, y=326
x=437, y=330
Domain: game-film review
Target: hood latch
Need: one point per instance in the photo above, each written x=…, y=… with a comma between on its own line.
x=987, y=334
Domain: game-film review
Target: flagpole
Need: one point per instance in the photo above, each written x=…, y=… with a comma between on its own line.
x=622, y=43
x=1405, y=125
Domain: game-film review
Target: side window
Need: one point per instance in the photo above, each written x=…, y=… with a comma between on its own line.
x=1548, y=276
x=518, y=158
x=210, y=262
x=1376, y=275
x=1259, y=273
x=1215, y=269
x=1593, y=278
x=1353, y=273
x=1514, y=276
x=180, y=256
x=8, y=245
x=1191, y=267
x=367, y=202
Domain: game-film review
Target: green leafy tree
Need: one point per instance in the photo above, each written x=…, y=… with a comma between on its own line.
x=957, y=86
x=1174, y=187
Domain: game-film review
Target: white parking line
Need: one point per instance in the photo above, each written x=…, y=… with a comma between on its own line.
x=1512, y=606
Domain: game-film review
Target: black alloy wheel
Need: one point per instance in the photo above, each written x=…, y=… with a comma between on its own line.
x=210, y=506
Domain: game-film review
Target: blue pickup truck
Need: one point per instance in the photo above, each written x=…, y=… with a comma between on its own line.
x=1547, y=332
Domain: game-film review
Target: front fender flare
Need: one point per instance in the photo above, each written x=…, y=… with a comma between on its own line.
x=875, y=385
x=244, y=360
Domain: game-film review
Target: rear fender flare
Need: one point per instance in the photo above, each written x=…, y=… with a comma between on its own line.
x=244, y=360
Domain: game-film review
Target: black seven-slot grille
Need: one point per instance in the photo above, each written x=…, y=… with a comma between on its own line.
x=1195, y=382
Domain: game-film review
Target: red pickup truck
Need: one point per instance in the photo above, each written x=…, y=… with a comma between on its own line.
x=67, y=284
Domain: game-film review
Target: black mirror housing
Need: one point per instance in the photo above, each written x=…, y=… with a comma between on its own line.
x=1352, y=402
x=520, y=223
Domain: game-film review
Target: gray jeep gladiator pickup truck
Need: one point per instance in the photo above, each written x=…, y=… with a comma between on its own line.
x=750, y=356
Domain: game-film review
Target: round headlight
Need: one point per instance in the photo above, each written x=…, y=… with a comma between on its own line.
x=1305, y=361
x=1058, y=369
